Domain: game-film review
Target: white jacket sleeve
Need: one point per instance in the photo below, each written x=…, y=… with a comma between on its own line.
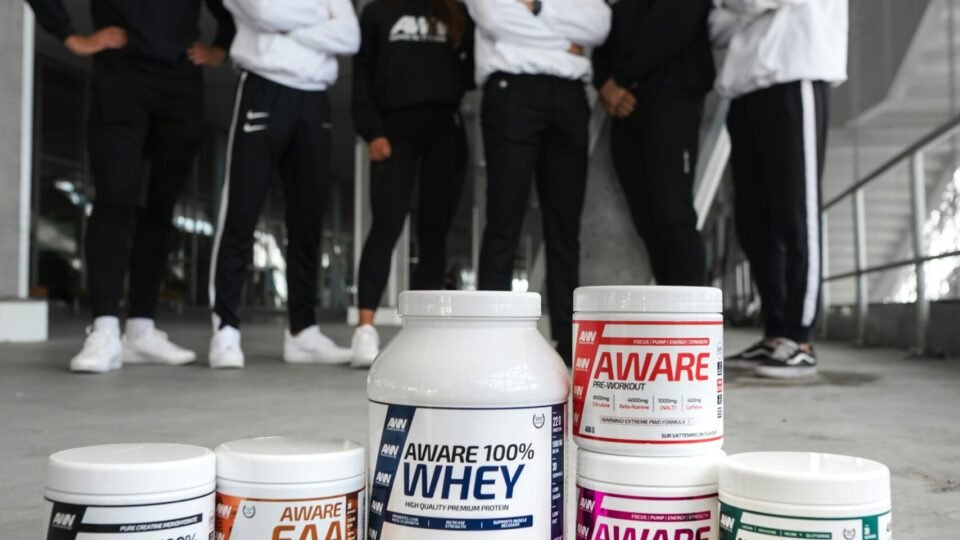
x=510, y=22
x=724, y=24
x=584, y=22
x=755, y=7
x=338, y=34
x=272, y=16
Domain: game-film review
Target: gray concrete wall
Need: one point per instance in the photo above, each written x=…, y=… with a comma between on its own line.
x=11, y=58
x=612, y=252
x=881, y=32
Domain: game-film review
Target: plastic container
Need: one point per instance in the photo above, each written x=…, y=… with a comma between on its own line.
x=648, y=370
x=467, y=409
x=289, y=488
x=626, y=497
x=131, y=491
x=802, y=495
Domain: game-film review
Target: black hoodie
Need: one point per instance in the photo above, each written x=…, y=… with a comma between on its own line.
x=158, y=31
x=403, y=63
x=658, y=45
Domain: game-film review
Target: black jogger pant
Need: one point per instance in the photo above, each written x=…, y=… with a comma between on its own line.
x=431, y=141
x=275, y=127
x=655, y=156
x=779, y=143
x=535, y=126
x=137, y=116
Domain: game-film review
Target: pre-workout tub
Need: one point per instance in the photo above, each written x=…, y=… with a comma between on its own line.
x=648, y=370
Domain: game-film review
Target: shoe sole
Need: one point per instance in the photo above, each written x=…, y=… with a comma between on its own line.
x=786, y=372
x=114, y=364
x=232, y=364
x=131, y=356
x=741, y=364
x=305, y=358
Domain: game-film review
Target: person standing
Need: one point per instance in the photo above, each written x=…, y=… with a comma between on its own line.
x=532, y=64
x=147, y=106
x=281, y=121
x=414, y=66
x=653, y=74
x=782, y=58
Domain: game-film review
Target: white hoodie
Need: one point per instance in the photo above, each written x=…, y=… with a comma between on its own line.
x=771, y=42
x=511, y=39
x=294, y=42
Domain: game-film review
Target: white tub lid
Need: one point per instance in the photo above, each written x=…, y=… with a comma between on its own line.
x=482, y=304
x=130, y=469
x=648, y=299
x=290, y=460
x=805, y=478
x=650, y=471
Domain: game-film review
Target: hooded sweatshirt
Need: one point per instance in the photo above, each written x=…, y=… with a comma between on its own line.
x=294, y=42
x=771, y=42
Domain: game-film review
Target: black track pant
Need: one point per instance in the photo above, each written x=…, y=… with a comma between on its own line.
x=430, y=141
x=779, y=141
x=535, y=127
x=275, y=127
x=137, y=117
x=655, y=156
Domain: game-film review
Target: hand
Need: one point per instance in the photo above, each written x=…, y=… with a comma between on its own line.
x=111, y=37
x=201, y=55
x=380, y=149
x=527, y=4
x=617, y=100
x=575, y=49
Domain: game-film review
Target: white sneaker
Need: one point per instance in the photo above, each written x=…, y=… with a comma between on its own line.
x=151, y=346
x=101, y=353
x=366, y=346
x=311, y=346
x=225, y=351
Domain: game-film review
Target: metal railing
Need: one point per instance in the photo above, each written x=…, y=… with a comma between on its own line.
x=914, y=156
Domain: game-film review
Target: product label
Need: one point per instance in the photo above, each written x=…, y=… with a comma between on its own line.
x=648, y=382
x=329, y=518
x=437, y=472
x=605, y=516
x=182, y=520
x=737, y=524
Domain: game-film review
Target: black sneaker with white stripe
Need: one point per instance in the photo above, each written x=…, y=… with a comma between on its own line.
x=789, y=361
x=751, y=357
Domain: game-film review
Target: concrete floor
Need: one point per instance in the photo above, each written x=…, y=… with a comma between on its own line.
x=868, y=402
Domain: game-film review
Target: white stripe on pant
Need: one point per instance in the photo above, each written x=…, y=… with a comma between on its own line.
x=224, y=196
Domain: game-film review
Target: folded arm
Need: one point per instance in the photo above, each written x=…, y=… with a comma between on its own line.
x=53, y=17
x=338, y=34
x=226, y=29
x=366, y=115
x=511, y=22
x=755, y=7
x=584, y=22
x=277, y=15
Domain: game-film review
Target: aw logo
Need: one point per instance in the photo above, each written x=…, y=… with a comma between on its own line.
x=588, y=336
x=390, y=451
x=224, y=511
x=397, y=424
x=376, y=507
x=587, y=505
x=578, y=391
x=582, y=364
x=727, y=522
x=411, y=28
x=63, y=520
x=383, y=479
x=583, y=531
